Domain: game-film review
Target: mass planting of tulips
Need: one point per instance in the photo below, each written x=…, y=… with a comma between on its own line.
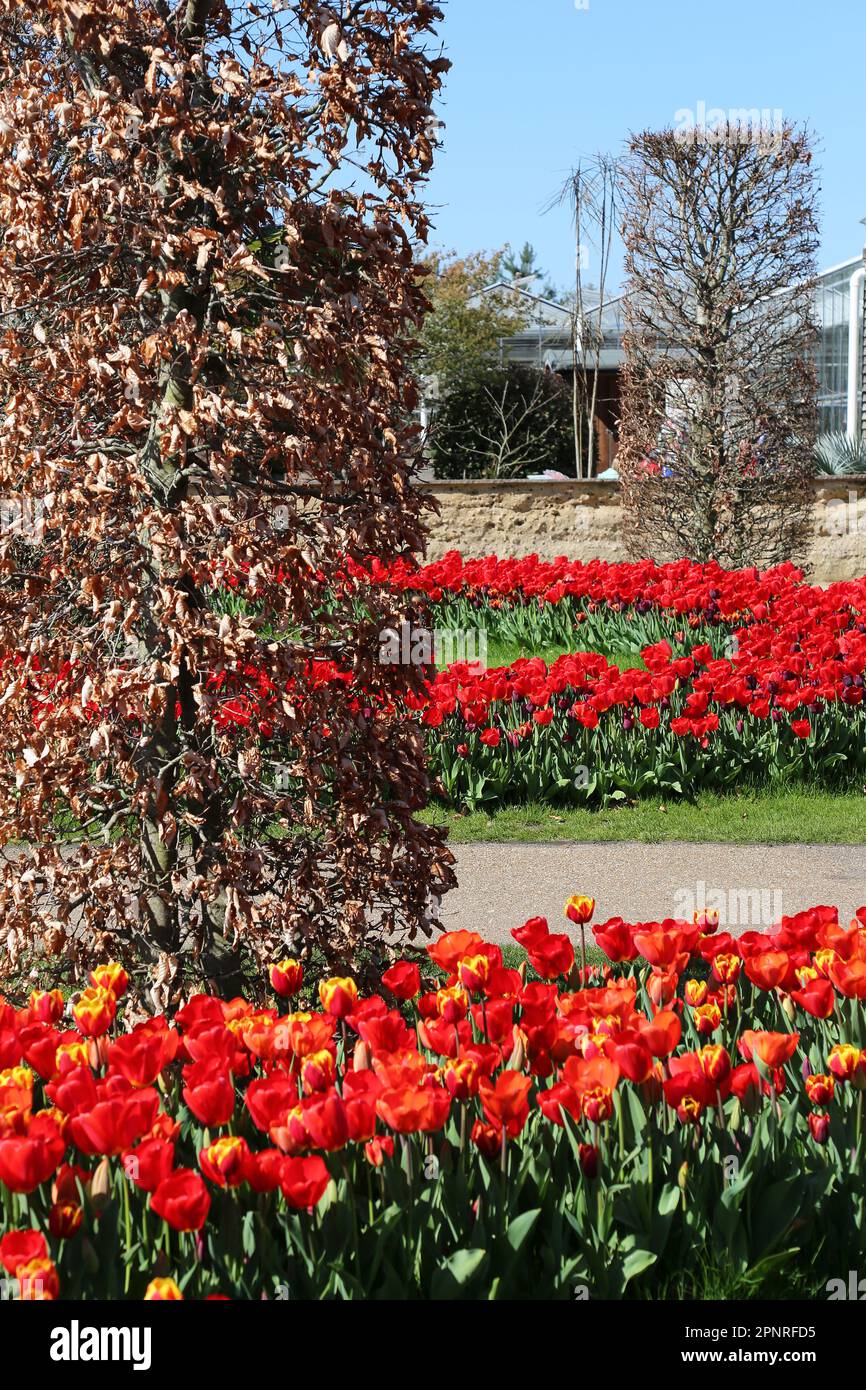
x=471, y=1130
x=732, y=676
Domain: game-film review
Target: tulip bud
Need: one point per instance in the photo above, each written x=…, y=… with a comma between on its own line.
x=661, y=986
x=64, y=1220
x=683, y=1176
x=579, y=909
x=696, y=992
x=517, y=1060
x=707, y=920
x=361, y=1056
x=820, y=1127
x=588, y=1154
x=788, y=1008
x=97, y=1053
x=46, y=1005
x=521, y=970
x=100, y=1186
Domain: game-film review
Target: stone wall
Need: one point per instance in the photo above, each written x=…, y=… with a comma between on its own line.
x=584, y=522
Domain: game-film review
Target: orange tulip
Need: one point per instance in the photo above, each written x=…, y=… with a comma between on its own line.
x=597, y=1104
x=584, y=1075
x=715, y=1063
x=707, y=920
x=662, y=1033
x=662, y=949
x=452, y=1004
x=461, y=1077
x=319, y=1071
x=410, y=1109
x=773, y=1049
x=473, y=972
x=726, y=968
x=451, y=947
x=303, y=1033
x=767, y=969
x=849, y=977
x=661, y=986
x=505, y=1101
x=696, y=992
x=64, y=1220
x=707, y=1018
x=224, y=1161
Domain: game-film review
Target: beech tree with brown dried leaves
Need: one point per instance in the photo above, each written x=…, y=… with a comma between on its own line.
x=209, y=297
x=719, y=386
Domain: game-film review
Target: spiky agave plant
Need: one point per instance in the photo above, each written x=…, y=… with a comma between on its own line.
x=838, y=453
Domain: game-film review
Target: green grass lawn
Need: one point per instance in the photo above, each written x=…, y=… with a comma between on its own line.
x=795, y=816
x=502, y=653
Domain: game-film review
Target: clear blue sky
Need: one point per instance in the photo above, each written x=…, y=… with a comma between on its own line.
x=537, y=83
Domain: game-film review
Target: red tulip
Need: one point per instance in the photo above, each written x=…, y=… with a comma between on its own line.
x=141, y=1055
x=615, y=939
x=377, y=1149
x=816, y=997
x=182, y=1200
x=26, y=1161
x=263, y=1171
x=149, y=1163
x=115, y=1123
x=286, y=977
x=403, y=979
x=64, y=1220
x=304, y=1181
x=552, y=957
x=410, y=1109
x=17, y=1247
x=209, y=1092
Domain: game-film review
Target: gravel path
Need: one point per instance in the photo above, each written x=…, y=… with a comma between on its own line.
x=500, y=885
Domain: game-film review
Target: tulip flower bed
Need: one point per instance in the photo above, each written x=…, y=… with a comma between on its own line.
x=470, y=1131
x=736, y=677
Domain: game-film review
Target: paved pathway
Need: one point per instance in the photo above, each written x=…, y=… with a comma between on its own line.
x=500, y=885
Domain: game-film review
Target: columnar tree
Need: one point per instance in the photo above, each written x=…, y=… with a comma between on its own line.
x=719, y=393
x=209, y=305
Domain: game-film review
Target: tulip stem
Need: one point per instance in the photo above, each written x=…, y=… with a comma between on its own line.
x=127, y=1230
x=356, y=1244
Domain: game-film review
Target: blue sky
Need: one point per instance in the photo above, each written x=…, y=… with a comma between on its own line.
x=538, y=83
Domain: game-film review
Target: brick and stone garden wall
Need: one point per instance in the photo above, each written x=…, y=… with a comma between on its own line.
x=584, y=522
